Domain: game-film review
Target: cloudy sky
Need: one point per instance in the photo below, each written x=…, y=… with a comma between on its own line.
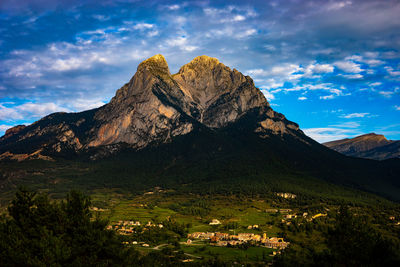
x=331, y=66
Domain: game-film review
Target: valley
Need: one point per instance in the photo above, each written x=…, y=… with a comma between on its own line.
x=201, y=226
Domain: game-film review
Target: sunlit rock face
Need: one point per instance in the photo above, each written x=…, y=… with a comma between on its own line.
x=154, y=106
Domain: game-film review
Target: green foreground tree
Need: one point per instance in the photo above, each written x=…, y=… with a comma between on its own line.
x=351, y=241
x=40, y=232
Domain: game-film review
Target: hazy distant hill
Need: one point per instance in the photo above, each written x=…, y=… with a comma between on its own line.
x=371, y=146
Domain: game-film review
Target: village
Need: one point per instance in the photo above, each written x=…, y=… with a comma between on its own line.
x=214, y=238
x=128, y=227
x=224, y=239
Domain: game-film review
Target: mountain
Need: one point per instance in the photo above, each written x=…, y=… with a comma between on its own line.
x=370, y=146
x=153, y=107
x=206, y=128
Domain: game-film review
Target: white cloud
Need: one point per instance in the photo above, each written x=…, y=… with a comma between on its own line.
x=352, y=76
x=375, y=84
x=302, y=98
x=4, y=128
x=338, y=5
x=85, y=104
x=239, y=18
x=230, y=13
x=347, y=124
x=173, y=7
x=374, y=62
x=327, y=97
x=392, y=72
x=257, y=72
x=182, y=43
x=75, y=63
x=246, y=33
x=322, y=68
x=387, y=94
x=29, y=111
x=312, y=69
x=285, y=69
x=348, y=66
x=329, y=133
x=268, y=95
x=269, y=83
x=355, y=115
x=397, y=107
x=101, y=17
x=143, y=26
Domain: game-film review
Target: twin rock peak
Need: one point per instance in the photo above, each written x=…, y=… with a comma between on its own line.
x=155, y=106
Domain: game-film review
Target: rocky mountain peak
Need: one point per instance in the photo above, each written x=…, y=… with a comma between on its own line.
x=372, y=137
x=14, y=130
x=201, y=62
x=155, y=64
x=155, y=106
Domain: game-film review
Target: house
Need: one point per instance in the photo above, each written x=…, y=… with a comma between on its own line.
x=245, y=236
x=214, y=222
x=285, y=210
x=271, y=210
x=290, y=216
x=208, y=235
x=222, y=243
x=264, y=237
x=256, y=238
x=234, y=242
x=319, y=215
x=276, y=242
x=222, y=235
x=286, y=195
x=200, y=235
x=214, y=239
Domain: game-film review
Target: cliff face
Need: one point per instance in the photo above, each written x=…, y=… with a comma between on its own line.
x=153, y=107
x=372, y=146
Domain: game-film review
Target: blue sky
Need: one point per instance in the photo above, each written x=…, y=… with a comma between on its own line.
x=331, y=66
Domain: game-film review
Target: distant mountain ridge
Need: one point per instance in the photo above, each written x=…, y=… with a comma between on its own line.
x=370, y=146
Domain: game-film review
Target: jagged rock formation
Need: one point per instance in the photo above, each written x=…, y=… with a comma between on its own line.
x=371, y=146
x=153, y=107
